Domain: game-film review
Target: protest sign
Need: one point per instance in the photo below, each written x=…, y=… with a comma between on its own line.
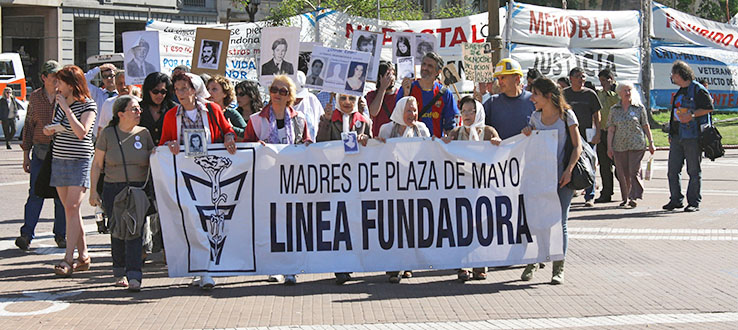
x=177, y=43
x=478, y=66
x=718, y=67
x=672, y=25
x=364, y=41
x=141, y=55
x=404, y=204
x=345, y=70
x=412, y=44
x=211, y=47
x=555, y=62
x=280, y=49
x=555, y=27
x=405, y=67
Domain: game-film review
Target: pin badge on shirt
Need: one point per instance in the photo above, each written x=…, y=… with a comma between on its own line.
x=138, y=145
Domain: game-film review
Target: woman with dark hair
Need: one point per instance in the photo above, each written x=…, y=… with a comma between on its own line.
x=563, y=82
x=157, y=100
x=553, y=113
x=122, y=150
x=248, y=98
x=70, y=166
x=221, y=92
x=403, y=47
x=355, y=80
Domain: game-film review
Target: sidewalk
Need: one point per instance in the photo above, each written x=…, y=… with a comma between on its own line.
x=625, y=267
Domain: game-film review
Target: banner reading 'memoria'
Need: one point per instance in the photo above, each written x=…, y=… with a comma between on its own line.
x=406, y=204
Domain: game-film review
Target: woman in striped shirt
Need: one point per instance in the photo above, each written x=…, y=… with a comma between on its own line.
x=75, y=111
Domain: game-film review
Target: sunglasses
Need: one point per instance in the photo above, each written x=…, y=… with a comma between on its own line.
x=109, y=76
x=136, y=109
x=282, y=91
x=159, y=91
x=350, y=98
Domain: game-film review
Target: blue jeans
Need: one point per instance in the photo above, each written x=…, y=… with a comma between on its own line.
x=679, y=151
x=126, y=254
x=565, y=196
x=34, y=204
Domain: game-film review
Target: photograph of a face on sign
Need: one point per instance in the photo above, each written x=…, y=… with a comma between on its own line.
x=371, y=42
x=141, y=55
x=338, y=70
x=478, y=66
x=406, y=44
x=211, y=48
x=450, y=74
x=195, y=142
x=280, y=50
x=406, y=67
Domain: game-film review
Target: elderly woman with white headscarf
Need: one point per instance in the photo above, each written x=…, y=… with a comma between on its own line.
x=473, y=127
x=404, y=121
x=346, y=118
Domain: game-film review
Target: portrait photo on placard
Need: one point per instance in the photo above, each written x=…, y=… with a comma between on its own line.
x=195, y=142
x=315, y=71
x=280, y=50
x=405, y=68
x=141, y=55
x=336, y=73
x=209, y=54
x=350, y=142
x=402, y=45
x=356, y=77
x=424, y=43
x=450, y=74
x=370, y=42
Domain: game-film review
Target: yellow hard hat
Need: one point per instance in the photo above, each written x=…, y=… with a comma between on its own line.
x=508, y=66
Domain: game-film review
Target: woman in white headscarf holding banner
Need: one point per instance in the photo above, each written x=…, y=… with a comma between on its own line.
x=473, y=127
x=404, y=121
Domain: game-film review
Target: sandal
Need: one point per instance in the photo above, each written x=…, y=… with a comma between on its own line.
x=407, y=274
x=480, y=276
x=82, y=264
x=64, y=268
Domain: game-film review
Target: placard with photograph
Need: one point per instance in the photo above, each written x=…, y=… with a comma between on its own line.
x=141, y=55
x=195, y=142
x=350, y=142
x=450, y=74
x=406, y=44
x=280, y=50
x=478, y=65
x=371, y=42
x=211, y=49
x=405, y=67
x=338, y=70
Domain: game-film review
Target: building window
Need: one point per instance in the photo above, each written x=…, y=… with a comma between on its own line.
x=194, y=3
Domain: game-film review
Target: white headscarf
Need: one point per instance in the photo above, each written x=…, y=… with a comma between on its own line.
x=398, y=114
x=201, y=93
x=478, y=122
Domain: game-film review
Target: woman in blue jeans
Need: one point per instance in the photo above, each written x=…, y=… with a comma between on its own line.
x=553, y=113
x=123, y=150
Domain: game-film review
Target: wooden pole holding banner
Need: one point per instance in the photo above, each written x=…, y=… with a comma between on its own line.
x=458, y=96
x=493, y=24
x=646, y=60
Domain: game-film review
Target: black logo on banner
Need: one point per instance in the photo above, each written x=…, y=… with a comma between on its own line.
x=215, y=212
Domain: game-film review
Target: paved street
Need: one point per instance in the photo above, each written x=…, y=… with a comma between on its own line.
x=625, y=268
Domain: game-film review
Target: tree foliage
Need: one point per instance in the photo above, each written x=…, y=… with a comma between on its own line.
x=389, y=9
x=456, y=8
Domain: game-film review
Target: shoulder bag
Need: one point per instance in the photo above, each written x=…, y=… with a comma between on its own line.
x=129, y=206
x=583, y=173
x=41, y=187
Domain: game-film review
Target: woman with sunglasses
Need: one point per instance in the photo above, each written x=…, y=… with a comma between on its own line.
x=248, y=98
x=122, y=135
x=157, y=100
x=221, y=92
x=278, y=122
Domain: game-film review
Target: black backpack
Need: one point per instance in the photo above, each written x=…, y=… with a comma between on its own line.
x=711, y=143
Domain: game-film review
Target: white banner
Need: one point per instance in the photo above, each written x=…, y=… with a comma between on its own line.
x=177, y=41
x=556, y=62
x=574, y=28
x=719, y=67
x=672, y=25
x=406, y=204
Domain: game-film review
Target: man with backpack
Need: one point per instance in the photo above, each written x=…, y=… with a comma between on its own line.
x=691, y=108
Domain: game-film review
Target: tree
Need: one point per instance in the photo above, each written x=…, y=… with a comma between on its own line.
x=389, y=9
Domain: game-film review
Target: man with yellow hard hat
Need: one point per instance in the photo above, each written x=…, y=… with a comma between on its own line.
x=509, y=111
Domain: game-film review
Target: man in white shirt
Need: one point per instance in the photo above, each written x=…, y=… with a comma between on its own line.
x=100, y=94
x=105, y=114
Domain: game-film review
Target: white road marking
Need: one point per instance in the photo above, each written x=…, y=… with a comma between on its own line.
x=535, y=323
x=13, y=183
x=32, y=296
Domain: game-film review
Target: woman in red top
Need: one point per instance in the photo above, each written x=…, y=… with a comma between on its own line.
x=194, y=112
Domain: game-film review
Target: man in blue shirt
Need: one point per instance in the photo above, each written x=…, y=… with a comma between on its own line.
x=509, y=111
x=441, y=116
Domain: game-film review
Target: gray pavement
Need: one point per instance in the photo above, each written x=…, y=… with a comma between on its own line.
x=626, y=268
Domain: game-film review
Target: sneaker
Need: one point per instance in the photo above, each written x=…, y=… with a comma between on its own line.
x=195, y=281
x=671, y=206
x=134, y=286
x=61, y=242
x=528, y=272
x=290, y=279
x=558, y=273
x=22, y=242
x=623, y=204
x=342, y=278
x=463, y=275
x=121, y=282
x=691, y=208
x=407, y=274
x=588, y=203
x=206, y=282
x=276, y=278
x=632, y=203
x=603, y=199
